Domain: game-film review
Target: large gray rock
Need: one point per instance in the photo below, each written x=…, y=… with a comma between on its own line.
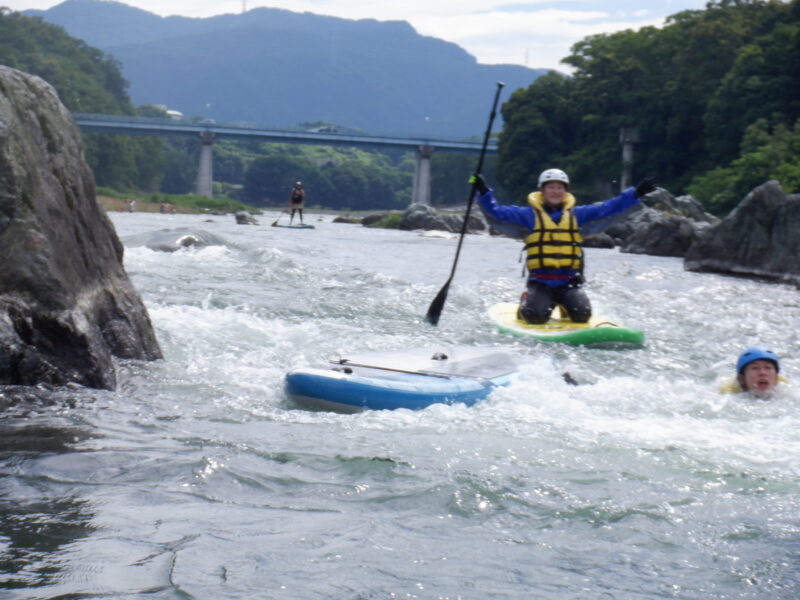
x=422, y=216
x=622, y=229
x=348, y=219
x=665, y=226
x=661, y=225
x=666, y=235
x=685, y=206
x=599, y=240
x=172, y=240
x=759, y=238
x=67, y=306
x=374, y=218
x=245, y=218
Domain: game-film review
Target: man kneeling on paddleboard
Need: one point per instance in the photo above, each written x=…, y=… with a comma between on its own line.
x=552, y=224
x=757, y=372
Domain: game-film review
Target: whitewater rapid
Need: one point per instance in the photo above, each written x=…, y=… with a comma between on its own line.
x=197, y=478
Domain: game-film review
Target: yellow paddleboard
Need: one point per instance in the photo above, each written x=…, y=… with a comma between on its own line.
x=598, y=332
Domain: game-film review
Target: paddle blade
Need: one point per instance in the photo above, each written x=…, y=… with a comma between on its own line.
x=435, y=310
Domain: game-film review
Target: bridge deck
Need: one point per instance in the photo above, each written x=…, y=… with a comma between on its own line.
x=154, y=126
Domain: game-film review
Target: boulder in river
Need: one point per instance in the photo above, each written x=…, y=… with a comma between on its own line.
x=172, y=240
x=759, y=238
x=245, y=218
x=423, y=216
x=685, y=206
x=67, y=306
x=665, y=226
x=664, y=235
x=348, y=219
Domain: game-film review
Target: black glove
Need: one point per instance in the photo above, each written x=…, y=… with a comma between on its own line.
x=480, y=183
x=645, y=186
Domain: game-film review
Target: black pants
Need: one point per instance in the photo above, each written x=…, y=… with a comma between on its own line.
x=542, y=299
x=294, y=210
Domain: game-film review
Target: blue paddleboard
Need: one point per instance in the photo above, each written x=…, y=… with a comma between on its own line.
x=412, y=379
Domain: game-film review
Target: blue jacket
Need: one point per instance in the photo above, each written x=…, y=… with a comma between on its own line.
x=525, y=219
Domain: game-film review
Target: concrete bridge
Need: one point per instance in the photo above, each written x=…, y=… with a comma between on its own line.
x=207, y=131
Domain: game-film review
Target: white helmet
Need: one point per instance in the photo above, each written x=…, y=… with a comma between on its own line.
x=553, y=175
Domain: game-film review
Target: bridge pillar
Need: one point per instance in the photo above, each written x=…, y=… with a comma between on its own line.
x=205, y=170
x=421, y=192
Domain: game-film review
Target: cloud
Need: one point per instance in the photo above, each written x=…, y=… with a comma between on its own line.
x=540, y=38
x=525, y=32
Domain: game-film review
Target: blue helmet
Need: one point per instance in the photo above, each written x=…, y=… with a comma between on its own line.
x=756, y=353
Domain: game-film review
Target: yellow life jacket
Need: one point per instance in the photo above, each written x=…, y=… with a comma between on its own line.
x=731, y=386
x=553, y=245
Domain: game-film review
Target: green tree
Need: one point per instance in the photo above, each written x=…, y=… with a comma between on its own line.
x=689, y=87
x=763, y=83
x=613, y=79
x=180, y=166
x=767, y=153
x=113, y=161
x=86, y=79
x=89, y=81
x=540, y=129
x=268, y=180
x=334, y=177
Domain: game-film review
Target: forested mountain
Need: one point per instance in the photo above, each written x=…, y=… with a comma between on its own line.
x=276, y=67
x=87, y=80
x=714, y=94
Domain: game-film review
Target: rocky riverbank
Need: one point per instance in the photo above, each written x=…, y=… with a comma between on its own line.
x=760, y=238
x=111, y=204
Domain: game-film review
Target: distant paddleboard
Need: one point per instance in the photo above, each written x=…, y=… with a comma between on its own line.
x=294, y=226
x=598, y=332
x=412, y=379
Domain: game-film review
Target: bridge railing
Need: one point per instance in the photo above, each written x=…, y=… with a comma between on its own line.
x=136, y=125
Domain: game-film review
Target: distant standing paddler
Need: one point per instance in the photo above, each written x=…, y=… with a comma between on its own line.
x=296, y=199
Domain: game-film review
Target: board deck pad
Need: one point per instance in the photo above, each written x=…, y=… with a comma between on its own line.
x=598, y=331
x=460, y=362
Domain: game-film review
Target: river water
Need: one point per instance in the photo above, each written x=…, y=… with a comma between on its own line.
x=196, y=478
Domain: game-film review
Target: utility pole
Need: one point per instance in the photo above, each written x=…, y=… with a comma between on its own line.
x=628, y=136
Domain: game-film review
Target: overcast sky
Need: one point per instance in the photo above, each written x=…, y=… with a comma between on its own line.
x=534, y=33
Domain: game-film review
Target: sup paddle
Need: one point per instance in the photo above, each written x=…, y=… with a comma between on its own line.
x=275, y=222
x=435, y=309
